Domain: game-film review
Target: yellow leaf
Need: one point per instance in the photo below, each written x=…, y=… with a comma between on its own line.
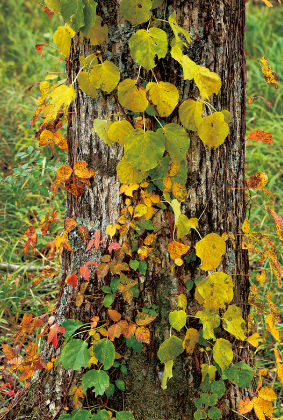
x=179, y=191
x=149, y=239
x=246, y=226
x=184, y=225
x=132, y=96
x=234, y=323
x=190, y=114
x=279, y=365
x=62, y=38
x=98, y=33
x=267, y=3
x=210, y=250
x=119, y=131
x=216, y=290
x=208, y=82
x=210, y=320
x=179, y=262
x=245, y=405
x=261, y=277
x=222, y=353
x=182, y=301
x=270, y=76
x=177, y=30
x=258, y=408
x=177, y=249
x=167, y=184
x=191, y=339
x=269, y=322
x=209, y=370
x=213, y=130
x=86, y=85
x=101, y=127
x=253, y=339
x=140, y=210
x=257, y=180
x=190, y=68
x=128, y=189
x=164, y=95
x=167, y=374
x=111, y=230
x=62, y=95
x=177, y=209
x=267, y=394
x=105, y=76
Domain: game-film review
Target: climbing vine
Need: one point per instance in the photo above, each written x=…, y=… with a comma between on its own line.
x=153, y=175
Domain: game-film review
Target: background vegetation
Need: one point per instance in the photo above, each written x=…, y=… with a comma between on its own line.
x=22, y=25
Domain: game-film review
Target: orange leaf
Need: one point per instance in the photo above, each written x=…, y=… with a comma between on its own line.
x=176, y=249
x=114, y=315
x=32, y=238
x=89, y=245
x=267, y=394
x=60, y=140
x=39, y=48
x=245, y=405
x=9, y=351
x=131, y=330
x=167, y=184
x=74, y=186
x=82, y=171
x=83, y=233
x=179, y=191
x=113, y=245
x=72, y=280
x=144, y=319
x=79, y=299
x=278, y=225
x=97, y=238
x=259, y=135
x=143, y=335
x=257, y=180
x=84, y=271
x=48, y=12
x=63, y=173
x=114, y=331
x=279, y=365
x=95, y=320
x=124, y=326
x=70, y=224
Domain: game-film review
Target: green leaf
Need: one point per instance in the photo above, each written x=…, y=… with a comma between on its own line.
x=213, y=398
x=65, y=417
x=189, y=284
x=234, y=323
x=178, y=319
x=98, y=379
x=143, y=267
x=205, y=399
x=124, y=415
x=146, y=44
x=101, y=127
x=198, y=403
x=205, y=385
x=160, y=171
x=89, y=15
x=82, y=415
x=73, y=13
x=170, y=349
x=128, y=174
x=114, y=283
x=53, y=5
x=222, y=353
x=144, y=149
x=110, y=390
x=218, y=388
x=134, y=264
x=198, y=415
x=44, y=191
x=119, y=131
x=86, y=85
x=177, y=141
x=106, y=289
x=136, y=11
x=184, y=225
x=214, y=413
x=101, y=415
x=241, y=374
x=124, y=369
x=75, y=355
x=120, y=384
x=213, y=130
x=71, y=325
x=104, y=351
x=132, y=96
x=190, y=114
x=108, y=300
x=178, y=29
x=156, y=3
x=105, y=76
x=147, y=224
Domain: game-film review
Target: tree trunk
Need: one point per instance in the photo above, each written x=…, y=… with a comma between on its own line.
x=216, y=196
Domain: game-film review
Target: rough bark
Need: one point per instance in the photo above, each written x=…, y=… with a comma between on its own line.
x=215, y=187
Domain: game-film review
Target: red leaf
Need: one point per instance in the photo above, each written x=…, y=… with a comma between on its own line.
x=97, y=238
x=48, y=12
x=7, y=385
x=72, y=280
x=89, y=245
x=112, y=246
x=52, y=336
x=39, y=48
x=114, y=331
x=85, y=272
x=92, y=263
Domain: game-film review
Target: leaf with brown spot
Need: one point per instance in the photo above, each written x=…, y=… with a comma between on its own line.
x=143, y=335
x=259, y=135
x=83, y=233
x=270, y=76
x=114, y=315
x=257, y=180
x=82, y=170
x=177, y=249
x=74, y=186
x=144, y=319
x=63, y=173
x=114, y=331
x=39, y=48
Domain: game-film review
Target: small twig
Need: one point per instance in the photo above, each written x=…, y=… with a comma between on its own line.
x=15, y=267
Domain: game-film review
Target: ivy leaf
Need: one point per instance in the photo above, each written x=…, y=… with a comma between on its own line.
x=62, y=95
x=190, y=114
x=62, y=37
x=210, y=250
x=144, y=149
x=101, y=127
x=98, y=33
x=218, y=388
x=146, y=44
x=177, y=141
x=124, y=415
x=191, y=339
x=101, y=414
x=170, y=349
x=210, y=321
x=136, y=11
x=178, y=319
x=245, y=405
x=215, y=291
x=234, y=323
x=119, y=131
x=213, y=130
x=72, y=12
x=53, y=5
x=190, y=68
x=167, y=374
x=241, y=374
x=89, y=15
x=208, y=82
x=86, y=85
x=164, y=95
x=214, y=413
x=75, y=355
x=184, y=225
x=104, y=351
x=178, y=29
x=81, y=415
x=105, y=76
x=132, y=96
x=98, y=379
x=120, y=384
x=128, y=174
x=257, y=180
x=71, y=325
x=222, y=353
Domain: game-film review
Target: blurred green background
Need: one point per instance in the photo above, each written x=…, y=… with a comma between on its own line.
x=22, y=25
